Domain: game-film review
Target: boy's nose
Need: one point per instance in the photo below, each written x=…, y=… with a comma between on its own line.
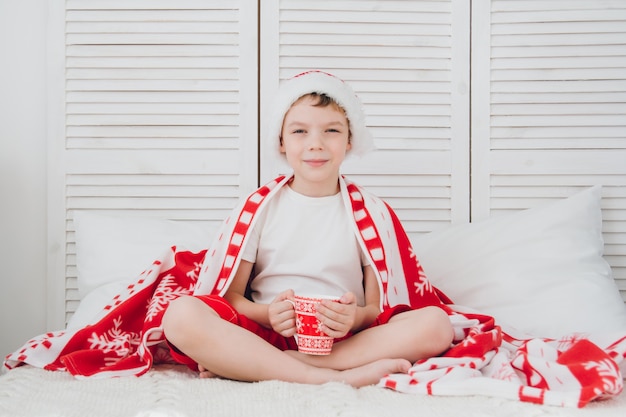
x=315, y=140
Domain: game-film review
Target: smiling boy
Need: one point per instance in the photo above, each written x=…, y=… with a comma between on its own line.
x=306, y=239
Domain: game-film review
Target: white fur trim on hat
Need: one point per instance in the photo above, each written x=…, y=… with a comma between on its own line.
x=322, y=83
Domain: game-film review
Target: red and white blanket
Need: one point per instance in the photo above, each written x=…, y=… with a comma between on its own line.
x=126, y=338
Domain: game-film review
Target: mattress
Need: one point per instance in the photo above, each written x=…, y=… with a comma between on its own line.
x=172, y=390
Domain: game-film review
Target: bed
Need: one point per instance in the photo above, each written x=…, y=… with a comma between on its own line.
x=173, y=391
x=538, y=272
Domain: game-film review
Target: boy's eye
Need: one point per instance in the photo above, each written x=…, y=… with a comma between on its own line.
x=298, y=131
x=333, y=130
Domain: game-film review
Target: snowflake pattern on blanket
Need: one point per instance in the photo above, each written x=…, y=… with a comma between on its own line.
x=125, y=338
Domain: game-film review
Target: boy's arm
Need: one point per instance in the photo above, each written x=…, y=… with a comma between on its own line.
x=367, y=314
x=337, y=319
x=235, y=295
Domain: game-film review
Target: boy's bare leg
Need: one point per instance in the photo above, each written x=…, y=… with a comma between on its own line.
x=411, y=335
x=227, y=350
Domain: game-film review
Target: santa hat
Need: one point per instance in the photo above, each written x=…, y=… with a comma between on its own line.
x=322, y=83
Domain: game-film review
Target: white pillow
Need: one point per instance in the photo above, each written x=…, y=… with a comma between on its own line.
x=117, y=249
x=540, y=270
x=93, y=303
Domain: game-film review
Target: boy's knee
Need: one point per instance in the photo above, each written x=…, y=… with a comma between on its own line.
x=185, y=316
x=176, y=315
x=440, y=326
x=447, y=331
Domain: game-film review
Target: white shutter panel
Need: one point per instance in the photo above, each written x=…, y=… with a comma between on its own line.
x=156, y=94
x=409, y=63
x=549, y=108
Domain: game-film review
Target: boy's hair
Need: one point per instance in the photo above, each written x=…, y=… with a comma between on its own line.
x=323, y=100
x=329, y=89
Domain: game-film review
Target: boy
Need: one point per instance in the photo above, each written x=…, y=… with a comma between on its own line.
x=309, y=235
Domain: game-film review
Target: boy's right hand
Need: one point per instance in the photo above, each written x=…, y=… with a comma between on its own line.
x=281, y=315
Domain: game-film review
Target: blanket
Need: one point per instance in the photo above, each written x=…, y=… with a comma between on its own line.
x=126, y=337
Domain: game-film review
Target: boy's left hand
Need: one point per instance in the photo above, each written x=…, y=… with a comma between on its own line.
x=337, y=318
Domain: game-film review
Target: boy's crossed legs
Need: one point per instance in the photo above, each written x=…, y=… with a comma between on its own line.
x=225, y=349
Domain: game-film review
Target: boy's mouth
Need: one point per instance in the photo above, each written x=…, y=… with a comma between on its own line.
x=315, y=162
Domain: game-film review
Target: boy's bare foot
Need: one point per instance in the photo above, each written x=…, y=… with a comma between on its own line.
x=360, y=376
x=205, y=373
x=372, y=372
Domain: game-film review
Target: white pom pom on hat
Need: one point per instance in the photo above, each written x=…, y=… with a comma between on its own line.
x=320, y=82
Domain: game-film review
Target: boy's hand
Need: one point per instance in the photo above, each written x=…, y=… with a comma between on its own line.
x=337, y=318
x=281, y=314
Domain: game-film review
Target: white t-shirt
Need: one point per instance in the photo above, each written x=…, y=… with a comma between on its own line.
x=306, y=244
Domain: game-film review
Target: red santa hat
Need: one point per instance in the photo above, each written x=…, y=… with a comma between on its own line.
x=322, y=83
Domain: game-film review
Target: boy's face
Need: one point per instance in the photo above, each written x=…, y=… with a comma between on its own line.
x=315, y=140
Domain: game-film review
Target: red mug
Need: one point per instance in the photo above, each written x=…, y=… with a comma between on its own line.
x=310, y=339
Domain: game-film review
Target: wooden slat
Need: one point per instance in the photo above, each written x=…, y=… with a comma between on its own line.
x=549, y=117
x=155, y=92
x=408, y=63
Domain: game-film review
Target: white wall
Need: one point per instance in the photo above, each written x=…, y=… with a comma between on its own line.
x=22, y=172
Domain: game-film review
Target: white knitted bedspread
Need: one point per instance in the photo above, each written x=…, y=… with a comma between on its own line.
x=174, y=391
